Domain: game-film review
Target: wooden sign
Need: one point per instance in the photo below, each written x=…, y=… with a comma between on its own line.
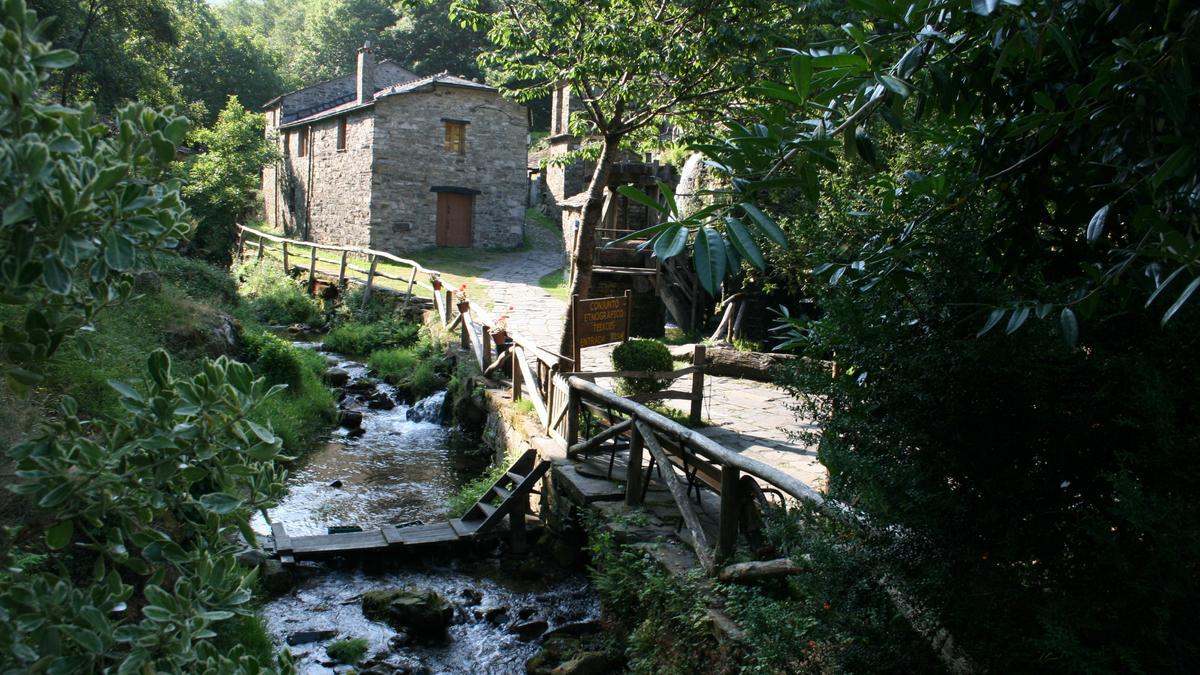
x=599, y=321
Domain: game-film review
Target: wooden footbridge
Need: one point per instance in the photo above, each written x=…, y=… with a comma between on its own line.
x=507, y=497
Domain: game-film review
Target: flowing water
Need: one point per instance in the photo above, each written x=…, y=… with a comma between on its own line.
x=402, y=470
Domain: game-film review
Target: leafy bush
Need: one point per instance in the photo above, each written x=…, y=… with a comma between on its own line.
x=412, y=370
x=361, y=339
x=641, y=355
x=273, y=297
x=347, y=651
x=272, y=358
x=221, y=184
x=394, y=364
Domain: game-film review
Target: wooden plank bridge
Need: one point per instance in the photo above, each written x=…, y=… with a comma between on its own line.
x=507, y=497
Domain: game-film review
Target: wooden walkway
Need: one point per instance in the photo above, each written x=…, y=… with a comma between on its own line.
x=507, y=497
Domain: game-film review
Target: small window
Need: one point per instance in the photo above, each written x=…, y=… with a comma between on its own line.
x=302, y=142
x=456, y=137
x=287, y=141
x=341, y=133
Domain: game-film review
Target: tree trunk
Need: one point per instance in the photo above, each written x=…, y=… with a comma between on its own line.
x=583, y=252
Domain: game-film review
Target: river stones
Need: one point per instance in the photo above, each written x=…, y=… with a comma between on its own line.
x=337, y=377
x=529, y=630
x=350, y=419
x=301, y=637
x=422, y=613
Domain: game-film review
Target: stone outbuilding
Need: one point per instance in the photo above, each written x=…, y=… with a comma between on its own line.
x=385, y=159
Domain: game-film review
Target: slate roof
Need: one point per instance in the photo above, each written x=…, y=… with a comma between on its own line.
x=349, y=103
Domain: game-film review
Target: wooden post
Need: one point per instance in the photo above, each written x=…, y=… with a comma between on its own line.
x=446, y=305
x=241, y=245
x=312, y=269
x=516, y=374
x=516, y=524
x=633, y=473
x=260, y=248
x=728, y=528
x=462, y=331
x=575, y=364
x=412, y=279
x=370, y=280
x=285, y=258
x=628, y=312
x=342, y=270
x=697, y=386
x=572, y=415
x=485, y=335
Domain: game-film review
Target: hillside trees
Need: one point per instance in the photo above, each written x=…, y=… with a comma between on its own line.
x=635, y=65
x=125, y=562
x=221, y=184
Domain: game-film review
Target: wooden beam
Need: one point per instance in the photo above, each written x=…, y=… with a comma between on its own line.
x=727, y=530
x=595, y=441
x=342, y=270
x=370, y=281
x=285, y=259
x=696, y=411
x=516, y=376
x=633, y=472
x=680, y=493
x=534, y=395
x=758, y=569
x=312, y=269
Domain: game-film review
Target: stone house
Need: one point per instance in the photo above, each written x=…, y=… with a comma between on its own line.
x=385, y=159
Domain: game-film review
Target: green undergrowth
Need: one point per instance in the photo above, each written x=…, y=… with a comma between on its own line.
x=556, y=284
x=362, y=339
x=274, y=298
x=303, y=412
x=348, y=651
x=416, y=371
x=470, y=493
x=835, y=616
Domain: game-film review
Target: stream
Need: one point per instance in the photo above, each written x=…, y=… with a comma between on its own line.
x=400, y=471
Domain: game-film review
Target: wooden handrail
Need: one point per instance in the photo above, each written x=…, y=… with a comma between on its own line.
x=332, y=247
x=701, y=444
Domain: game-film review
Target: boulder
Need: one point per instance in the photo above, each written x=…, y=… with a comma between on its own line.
x=380, y=401
x=350, y=419
x=471, y=597
x=528, y=630
x=337, y=377
x=421, y=613
x=276, y=579
x=251, y=557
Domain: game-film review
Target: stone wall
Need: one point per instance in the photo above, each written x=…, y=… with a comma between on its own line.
x=411, y=159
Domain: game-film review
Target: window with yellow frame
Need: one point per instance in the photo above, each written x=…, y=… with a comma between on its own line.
x=456, y=137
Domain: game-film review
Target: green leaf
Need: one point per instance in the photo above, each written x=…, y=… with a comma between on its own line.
x=993, y=319
x=220, y=503
x=1016, y=320
x=264, y=434
x=1181, y=300
x=16, y=212
x=710, y=259
x=1171, y=166
x=88, y=639
x=1096, y=225
x=216, y=615
x=1166, y=282
x=745, y=245
x=1069, y=327
x=984, y=7
x=895, y=85
x=56, y=496
x=802, y=69
x=56, y=59
x=641, y=197
x=765, y=223
x=671, y=242
x=59, y=536
x=56, y=275
x=126, y=390
x=118, y=252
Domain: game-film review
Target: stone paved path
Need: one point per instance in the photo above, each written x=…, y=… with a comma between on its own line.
x=750, y=417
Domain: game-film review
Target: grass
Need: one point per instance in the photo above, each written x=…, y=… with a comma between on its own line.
x=542, y=220
x=524, y=407
x=413, y=370
x=556, y=284
x=347, y=651
x=249, y=632
x=361, y=339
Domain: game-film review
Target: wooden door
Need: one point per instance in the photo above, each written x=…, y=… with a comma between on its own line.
x=454, y=219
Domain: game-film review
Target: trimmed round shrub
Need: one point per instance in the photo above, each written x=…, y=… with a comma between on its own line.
x=641, y=355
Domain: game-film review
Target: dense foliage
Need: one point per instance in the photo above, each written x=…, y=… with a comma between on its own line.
x=221, y=184
x=125, y=560
x=994, y=205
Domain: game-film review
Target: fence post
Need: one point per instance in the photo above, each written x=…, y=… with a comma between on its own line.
x=633, y=472
x=260, y=247
x=370, y=281
x=572, y=415
x=697, y=386
x=312, y=269
x=446, y=306
x=728, y=528
x=485, y=336
x=285, y=258
x=241, y=245
x=412, y=279
x=464, y=320
x=516, y=375
x=342, y=270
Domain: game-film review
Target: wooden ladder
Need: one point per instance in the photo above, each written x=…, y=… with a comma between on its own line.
x=510, y=491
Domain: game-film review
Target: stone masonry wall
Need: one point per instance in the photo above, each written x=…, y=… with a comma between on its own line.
x=410, y=159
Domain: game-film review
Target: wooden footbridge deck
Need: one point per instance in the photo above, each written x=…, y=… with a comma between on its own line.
x=507, y=497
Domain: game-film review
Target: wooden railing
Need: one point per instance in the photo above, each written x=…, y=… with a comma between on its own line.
x=354, y=265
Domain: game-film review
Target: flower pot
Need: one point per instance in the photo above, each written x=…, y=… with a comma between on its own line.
x=500, y=336
x=437, y=285
x=463, y=307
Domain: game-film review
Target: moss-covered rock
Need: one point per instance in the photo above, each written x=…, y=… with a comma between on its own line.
x=421, y=613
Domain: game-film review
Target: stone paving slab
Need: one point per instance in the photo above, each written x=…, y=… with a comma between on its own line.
x=752, y=418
